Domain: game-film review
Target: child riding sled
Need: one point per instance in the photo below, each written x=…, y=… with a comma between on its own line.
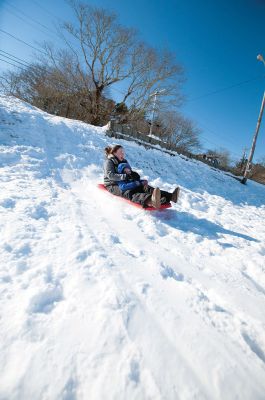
x=121, y=180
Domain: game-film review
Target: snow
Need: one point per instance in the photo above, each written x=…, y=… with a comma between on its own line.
x=101, y=300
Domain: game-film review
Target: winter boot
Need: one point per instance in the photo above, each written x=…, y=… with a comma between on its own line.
x=175, y=195
x=156, y=198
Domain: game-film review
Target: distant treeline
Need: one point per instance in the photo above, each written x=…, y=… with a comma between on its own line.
x=100, y=58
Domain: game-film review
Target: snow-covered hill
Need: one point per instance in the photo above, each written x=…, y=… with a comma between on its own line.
x=101, y=300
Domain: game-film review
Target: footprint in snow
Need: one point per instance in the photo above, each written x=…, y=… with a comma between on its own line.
x=145, y=288
x=257, y=286
x=254, y=346
x=5, y=279
x=7, y=203
x=38, y=212
x=21, y=267
x=69, y=390
x=134, y=374
x=211, y=312
x=223, y=320
x=82, y=256
x=7, y=247
x=133, y=252
x=161, y=230
x=167, y=272
x=45, y=301
x=23, y=251
x=115, y=239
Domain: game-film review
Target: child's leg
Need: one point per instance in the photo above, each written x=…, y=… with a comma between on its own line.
x=166, y=195
x=137, y=195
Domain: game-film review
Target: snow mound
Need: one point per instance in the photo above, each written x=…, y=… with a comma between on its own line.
x=102, y=300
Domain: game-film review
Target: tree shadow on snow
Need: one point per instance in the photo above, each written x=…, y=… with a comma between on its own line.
x=200, y=226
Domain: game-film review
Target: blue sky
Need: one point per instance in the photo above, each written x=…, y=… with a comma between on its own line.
x=217, y=43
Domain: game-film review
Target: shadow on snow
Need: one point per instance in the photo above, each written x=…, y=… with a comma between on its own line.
x=186, y=222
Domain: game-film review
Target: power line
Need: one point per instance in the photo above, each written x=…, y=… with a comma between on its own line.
x=123, y=93
x=22, y=41
x=28, y=64
x=28, y=23
x=30, y=18
x=226, y=88
x=54, y=33
x=25, y=62
x=45, y=9
x=217, y=145
x=215, y=134
x=7, y=62
x=9, y=58
x=27, y=44
x=207, y=140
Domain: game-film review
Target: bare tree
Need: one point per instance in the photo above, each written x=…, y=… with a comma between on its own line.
x=257, y=172
x=222, y=155
x=55, y=90
x=99, y=53
x=101, y=47
x=179, y=132
x=151, y=70
x=109, y=53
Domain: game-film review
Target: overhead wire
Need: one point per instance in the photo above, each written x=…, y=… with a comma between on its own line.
x=202, y=136
x=45, y=9
x=7, y=62
x=27, y=22
x=29, y=17
x=22, y=41
x=218, y=146
x=12, y=59
x=116, y=90
x=215, y=133
x=19, y=59
x=226, y=88
x=121, y=92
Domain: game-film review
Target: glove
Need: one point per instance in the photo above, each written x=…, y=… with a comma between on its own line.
x=135, y=176
x=129, y=178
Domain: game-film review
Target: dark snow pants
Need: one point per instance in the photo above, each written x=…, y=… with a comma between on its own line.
x=139, y=195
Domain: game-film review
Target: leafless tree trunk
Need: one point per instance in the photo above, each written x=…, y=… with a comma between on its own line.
x=179, y=132
x=100, y=47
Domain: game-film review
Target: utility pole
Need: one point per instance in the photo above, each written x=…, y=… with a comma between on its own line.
x=254, y=141
x=155, y=94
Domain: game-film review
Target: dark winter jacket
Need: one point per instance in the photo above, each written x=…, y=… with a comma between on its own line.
x=111, y=174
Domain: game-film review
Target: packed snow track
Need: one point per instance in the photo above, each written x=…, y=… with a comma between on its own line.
x=100, y=300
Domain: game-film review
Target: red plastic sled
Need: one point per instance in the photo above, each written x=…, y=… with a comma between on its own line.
x=162, y=207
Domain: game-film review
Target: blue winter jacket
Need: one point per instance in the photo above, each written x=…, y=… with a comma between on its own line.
x=127, y=184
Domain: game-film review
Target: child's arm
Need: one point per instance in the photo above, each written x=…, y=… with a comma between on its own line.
x=129, y=185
